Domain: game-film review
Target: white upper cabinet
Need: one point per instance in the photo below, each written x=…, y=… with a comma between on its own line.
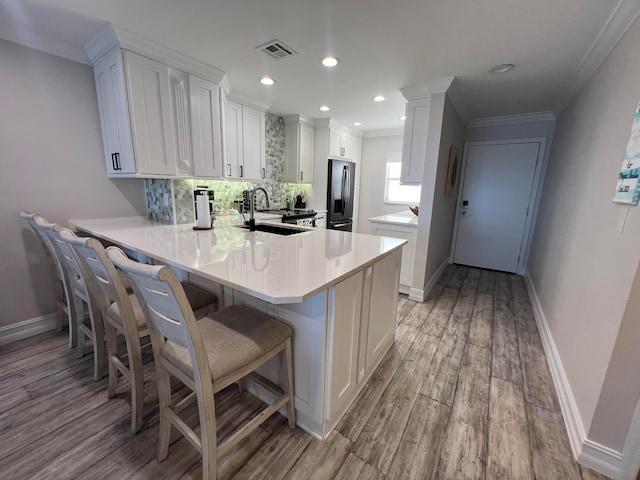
x=157, y=121
x=114, y=114
x=299, y=149
x=254, y=144
x=245, y=142
x=206, y=127
x=179, y=85
x=341, y=144
x=150, y=112
x=414, y=144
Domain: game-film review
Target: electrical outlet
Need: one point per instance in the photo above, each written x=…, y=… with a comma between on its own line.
x=622, y=219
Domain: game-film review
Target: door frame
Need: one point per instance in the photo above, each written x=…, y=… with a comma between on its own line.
x=534, y=197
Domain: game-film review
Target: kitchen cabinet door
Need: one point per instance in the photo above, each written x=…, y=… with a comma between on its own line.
x=114, y=114
x=206, y=127
x=299, y=150
x=344, y=332
x=234, y=140
x=179, y=83
x=408, y=250
x=150, y=111
x=414, y=143
x=335, y=143
x=253, y=144
x=382, y=307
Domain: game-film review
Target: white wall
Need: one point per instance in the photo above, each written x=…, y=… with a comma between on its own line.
x=372, y=177
x=581, y=268
x=51, y=162
x=444, y=208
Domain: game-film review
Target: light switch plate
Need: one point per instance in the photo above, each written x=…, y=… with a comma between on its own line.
x=622, y=219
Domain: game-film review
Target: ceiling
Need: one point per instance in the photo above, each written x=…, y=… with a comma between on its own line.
x=383, y=46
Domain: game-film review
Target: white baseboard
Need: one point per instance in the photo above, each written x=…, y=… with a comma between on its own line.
x=418, y=295
x=588, y=453
x=601, y=459
x=27, y=328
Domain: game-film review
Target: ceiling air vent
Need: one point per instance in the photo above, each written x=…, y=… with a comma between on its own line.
x=277, y=49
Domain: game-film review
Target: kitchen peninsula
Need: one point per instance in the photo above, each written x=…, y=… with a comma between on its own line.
x=337, y=290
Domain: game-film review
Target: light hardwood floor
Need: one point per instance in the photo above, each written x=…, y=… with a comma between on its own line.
x=464, y=393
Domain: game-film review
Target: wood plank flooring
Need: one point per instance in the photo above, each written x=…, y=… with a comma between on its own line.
x=464, y=393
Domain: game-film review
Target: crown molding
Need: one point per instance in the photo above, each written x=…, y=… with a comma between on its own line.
x=244, y=99
x=388, y=132
x=428, y=88
x=46, y=45
x=112, y=36
x=511, y=119
x=299, y=120
x=622, y=17
x=333, y=123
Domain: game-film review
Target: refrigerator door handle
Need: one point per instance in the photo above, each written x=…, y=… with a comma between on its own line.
x=345, y=173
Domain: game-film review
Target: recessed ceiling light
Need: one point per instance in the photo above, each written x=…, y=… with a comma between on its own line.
x=504, y=68
x=357, y=124
x=379, y=98
x=267, y=81
x=403, y=117
x=324, y=108
x=330, y=61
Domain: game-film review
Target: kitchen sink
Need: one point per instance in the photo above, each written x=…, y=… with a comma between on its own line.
x=277, y=229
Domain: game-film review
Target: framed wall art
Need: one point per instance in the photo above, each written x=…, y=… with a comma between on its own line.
x=628, y=186
x=452, y=171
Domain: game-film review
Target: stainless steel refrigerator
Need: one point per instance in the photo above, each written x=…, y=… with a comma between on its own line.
x=340, y=191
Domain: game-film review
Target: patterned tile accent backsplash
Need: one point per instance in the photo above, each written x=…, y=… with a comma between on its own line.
x=157, y=190
x=226, y=191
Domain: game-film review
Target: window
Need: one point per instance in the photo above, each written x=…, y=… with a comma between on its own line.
x=394, y=191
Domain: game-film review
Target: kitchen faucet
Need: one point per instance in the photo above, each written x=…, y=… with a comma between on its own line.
x=252, y=206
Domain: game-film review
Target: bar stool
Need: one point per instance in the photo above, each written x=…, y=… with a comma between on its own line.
x=62, y=296
x=122, y=314
x=207, y=356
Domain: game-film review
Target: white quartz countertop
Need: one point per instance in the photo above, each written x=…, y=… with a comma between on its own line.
x=401, y=218
x=275, y=268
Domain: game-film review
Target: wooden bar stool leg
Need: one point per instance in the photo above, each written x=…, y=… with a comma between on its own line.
x=80, y=335
x=164, y=394
x=137, y=383
x=112, y=351
x=289, y=383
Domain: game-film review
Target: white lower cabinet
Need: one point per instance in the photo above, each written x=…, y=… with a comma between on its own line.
x=409, y=233
x=345, y=304
x=362, y=318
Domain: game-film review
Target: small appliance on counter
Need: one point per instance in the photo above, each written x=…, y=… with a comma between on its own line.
x=300, y=216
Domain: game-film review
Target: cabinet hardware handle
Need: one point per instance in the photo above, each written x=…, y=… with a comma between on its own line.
x=264, y=172
x=113, y=161
x=301, y=176
x=241, y=172
x=229, y=166
x=119, y=167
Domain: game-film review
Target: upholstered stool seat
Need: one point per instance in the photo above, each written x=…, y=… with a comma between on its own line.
x=233, y=338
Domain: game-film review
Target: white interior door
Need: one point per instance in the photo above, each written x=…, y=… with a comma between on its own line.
x=493, y=210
